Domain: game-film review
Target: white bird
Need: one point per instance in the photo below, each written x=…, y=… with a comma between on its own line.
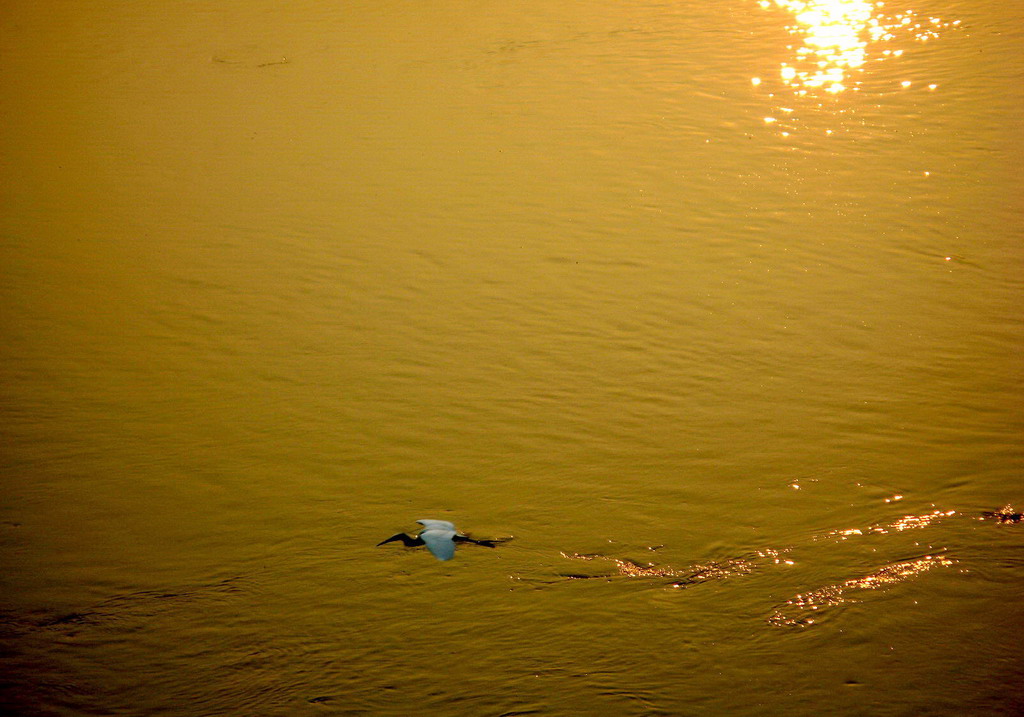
x=440, y=537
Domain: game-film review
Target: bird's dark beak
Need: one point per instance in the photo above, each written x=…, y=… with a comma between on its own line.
x=393, y=538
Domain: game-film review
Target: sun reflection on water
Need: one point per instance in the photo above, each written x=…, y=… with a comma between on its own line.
x=837, y=41
x=801, y=610
x=697, y=573
x=808, y=608
x=907, y=522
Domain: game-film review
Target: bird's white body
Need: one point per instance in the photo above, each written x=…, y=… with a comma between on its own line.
x=439, y=537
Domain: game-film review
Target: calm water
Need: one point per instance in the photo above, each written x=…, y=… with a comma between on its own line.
x=714, y=306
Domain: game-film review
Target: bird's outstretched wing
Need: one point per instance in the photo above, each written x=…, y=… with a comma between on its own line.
x=440, y=541
x=437, y=525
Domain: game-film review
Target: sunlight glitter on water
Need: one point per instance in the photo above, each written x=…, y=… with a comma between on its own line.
x=839, y=38
x=907, y=522
x=798, y=610
x=701, y=572
x=835, y=41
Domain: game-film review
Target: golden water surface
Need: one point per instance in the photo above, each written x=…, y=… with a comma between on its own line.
x=714, y=308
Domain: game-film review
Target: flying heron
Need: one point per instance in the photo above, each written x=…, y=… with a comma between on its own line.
x=440, y=537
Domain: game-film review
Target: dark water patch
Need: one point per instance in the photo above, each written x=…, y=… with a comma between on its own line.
x=136, y=605
x=19, y=698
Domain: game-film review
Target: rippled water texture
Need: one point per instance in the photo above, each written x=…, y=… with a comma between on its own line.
x=713, y=308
